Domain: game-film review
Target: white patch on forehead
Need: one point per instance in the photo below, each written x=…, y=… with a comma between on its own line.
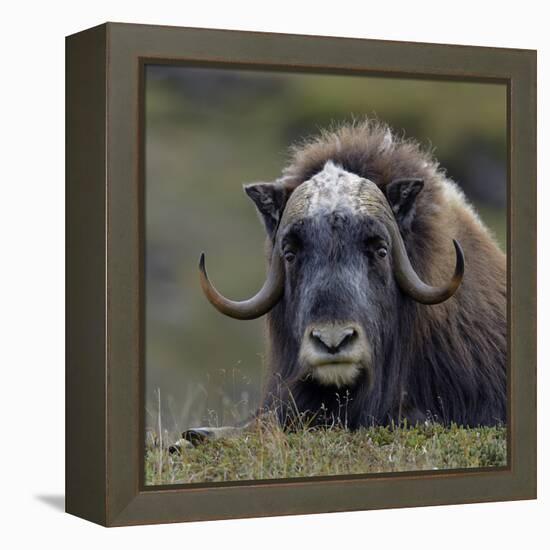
x=332, y=188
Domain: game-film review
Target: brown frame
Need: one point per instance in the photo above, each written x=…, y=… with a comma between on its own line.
x=105, y=247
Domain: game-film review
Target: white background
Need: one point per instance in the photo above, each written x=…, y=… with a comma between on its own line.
x=32, y=273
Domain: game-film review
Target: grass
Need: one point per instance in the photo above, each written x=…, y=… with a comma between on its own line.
x=270, y=453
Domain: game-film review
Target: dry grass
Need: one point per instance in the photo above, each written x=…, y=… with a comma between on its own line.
x=270, y=453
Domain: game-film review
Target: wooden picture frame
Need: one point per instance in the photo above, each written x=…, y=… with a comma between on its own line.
x=105, y=282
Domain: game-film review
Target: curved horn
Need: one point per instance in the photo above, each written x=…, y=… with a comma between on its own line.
x=410, y=283
x=256, y=306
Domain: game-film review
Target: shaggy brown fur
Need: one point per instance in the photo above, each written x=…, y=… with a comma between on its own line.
x=371, y=150
x=457, y=349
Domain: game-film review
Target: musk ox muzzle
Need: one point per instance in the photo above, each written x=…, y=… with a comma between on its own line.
x=335, y=353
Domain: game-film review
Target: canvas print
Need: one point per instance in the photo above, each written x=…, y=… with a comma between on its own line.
x=325, y=275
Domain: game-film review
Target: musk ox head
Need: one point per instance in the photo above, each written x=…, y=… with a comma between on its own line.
x=338, y=270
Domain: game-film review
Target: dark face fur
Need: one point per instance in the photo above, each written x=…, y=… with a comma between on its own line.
x=338, y=288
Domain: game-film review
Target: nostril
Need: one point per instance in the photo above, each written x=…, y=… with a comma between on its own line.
x=333, y=339
x=320, y=341
x=348, y=338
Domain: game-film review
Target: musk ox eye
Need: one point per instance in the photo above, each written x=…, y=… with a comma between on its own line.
x=382, y=252
x=289, y=256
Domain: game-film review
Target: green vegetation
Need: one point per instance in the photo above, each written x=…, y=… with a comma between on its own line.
x=270, y=453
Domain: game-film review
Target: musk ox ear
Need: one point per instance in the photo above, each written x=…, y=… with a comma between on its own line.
x=401, y=195
x=270, y=200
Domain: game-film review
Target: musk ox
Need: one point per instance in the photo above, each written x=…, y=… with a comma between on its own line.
x=360, y=225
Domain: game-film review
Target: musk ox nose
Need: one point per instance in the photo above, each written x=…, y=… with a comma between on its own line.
x=333, y=339
x=336, y=354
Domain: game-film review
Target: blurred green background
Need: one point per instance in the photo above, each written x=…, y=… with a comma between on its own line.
x=208, y=131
